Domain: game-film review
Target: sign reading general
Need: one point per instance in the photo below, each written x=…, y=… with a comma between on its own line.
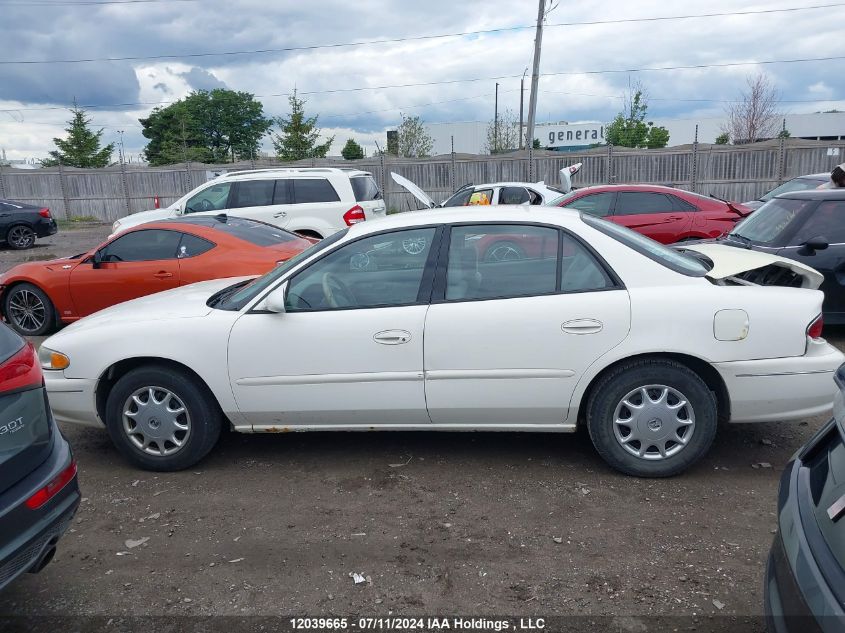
x=570, y=135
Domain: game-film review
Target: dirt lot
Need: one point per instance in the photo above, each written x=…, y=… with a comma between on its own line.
x=516, y=524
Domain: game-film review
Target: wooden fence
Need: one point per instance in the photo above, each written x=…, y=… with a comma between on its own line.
x=736, y=173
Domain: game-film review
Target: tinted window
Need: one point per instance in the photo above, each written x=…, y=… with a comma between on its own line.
x=284, y=192
x=828, y=221
x=142, y=246
x=499, y=261
x=597, y=204
x=377, y=271
x=513, y=195
x=191, y=246
x=365, y=188
x=767, y=223
x=672, y=259
x=213, y=198
x=796, y=184
x=256, y=233
x=640, y=203
x=252, y=193
x=680, y=204
x=314, y=190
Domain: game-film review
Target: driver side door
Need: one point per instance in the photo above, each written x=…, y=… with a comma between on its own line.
x=133, y=265
x=348, y=351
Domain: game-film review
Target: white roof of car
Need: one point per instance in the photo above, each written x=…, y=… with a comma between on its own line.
x=290, y=172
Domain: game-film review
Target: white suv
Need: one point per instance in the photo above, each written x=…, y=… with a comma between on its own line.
x=312, y=201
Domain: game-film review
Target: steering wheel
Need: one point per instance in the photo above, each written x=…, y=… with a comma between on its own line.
x=334, y=289
x=203, y=205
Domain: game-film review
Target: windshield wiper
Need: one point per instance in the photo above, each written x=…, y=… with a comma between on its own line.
x=745, y=240
x=221, y=295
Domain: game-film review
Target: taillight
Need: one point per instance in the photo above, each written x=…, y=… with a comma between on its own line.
x=814, y=330
x=21, y=371
x=53, y=488
x=44, y=213
x=354, y=215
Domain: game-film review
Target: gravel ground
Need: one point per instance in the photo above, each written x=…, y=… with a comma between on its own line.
x=516, y=524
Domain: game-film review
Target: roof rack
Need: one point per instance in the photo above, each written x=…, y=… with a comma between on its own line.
x=290, y=170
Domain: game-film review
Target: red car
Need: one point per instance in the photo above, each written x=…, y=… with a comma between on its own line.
x=37, y=296
x=664, y=214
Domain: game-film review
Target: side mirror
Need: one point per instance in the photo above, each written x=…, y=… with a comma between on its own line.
x=275, y=301
x=96, y=259
x=818, y=243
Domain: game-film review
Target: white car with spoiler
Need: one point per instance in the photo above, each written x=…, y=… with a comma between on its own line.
x=406, y=323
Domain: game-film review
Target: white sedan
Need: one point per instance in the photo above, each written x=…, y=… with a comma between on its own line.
x=407, y=323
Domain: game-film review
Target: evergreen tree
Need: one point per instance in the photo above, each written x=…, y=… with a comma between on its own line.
x=299, y=134
x=352, y=150
x=81, y=148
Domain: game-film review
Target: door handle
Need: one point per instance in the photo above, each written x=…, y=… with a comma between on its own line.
x=582, y=326
x=280, y=214
x=162, y=275
x=392, y=337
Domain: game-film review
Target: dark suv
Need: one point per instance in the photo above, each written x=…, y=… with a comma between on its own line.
x=39, y=492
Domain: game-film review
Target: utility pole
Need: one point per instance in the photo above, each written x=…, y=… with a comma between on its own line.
x=496, y=122
x=521, y=104
x=535, y=76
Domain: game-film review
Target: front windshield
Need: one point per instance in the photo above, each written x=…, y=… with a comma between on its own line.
x=767, y=223
x=796, y=184
x=238, y=295
x=669, y=257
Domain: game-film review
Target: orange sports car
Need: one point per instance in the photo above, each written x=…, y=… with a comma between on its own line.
x=36, y=297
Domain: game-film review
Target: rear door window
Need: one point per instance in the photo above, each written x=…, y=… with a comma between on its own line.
x=252, y=193
x=365, y=188
x=307, y=190
x=513, y=195
x=642, y=203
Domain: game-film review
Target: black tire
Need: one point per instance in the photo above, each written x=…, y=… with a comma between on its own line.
x=20, y=237
x=503, y=251
x=28, y=294
x=614, y=386
x=206, y=419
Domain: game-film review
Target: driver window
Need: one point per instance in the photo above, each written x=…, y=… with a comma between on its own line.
x=826, y=221
x=213, y=198
x=142, y=246
x=377, y=271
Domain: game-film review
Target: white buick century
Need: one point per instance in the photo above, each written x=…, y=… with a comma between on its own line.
x=478, y=319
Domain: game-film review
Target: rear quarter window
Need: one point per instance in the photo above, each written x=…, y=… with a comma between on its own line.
x=307, y=190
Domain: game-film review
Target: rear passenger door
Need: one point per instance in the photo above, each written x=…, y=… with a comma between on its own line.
x=316, y=205
x=254, y=199
x=653, y=214
x=507, y=339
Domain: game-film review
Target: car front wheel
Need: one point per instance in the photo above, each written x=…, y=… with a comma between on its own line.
x=651, y=418
x=29, y=310
x=162, y=419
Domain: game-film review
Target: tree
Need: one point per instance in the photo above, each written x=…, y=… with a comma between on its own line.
x=754, y=117
x=206, y=126
x=535, y=144
x=299, y=134
x=352, y=150
x=630, y=129
x=723, y=139
x=503, y=136
x=81, y=148
x=784, y=133
x=414, y=140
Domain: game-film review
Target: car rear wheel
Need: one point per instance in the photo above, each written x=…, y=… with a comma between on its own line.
x=20, y=237
x=29, y=310
x=651, y=418
x=162, y=419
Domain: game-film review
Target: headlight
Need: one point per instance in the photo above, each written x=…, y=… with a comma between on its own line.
x=50, y=359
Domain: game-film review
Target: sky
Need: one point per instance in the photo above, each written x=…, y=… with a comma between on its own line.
x=360, y=91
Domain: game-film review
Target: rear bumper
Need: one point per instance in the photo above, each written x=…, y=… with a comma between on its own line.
x=30, y=534
x=73, y=400
x=46, y=227
x=782, y=388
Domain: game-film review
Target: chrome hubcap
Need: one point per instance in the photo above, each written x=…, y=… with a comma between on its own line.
x=156, y=421
x=27, y=311
x=21, y=236
x=654, y=422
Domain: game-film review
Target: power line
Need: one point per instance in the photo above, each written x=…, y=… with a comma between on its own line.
x=69, y=3
x=395, y=40
x=477, y=79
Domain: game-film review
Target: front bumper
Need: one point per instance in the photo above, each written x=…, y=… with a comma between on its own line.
x=797, y=597
x=35, y=532
x=777, y=389
x=72, y=399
